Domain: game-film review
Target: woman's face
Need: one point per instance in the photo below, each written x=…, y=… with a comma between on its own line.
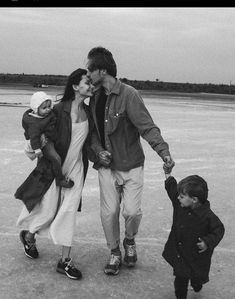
x=85, y=88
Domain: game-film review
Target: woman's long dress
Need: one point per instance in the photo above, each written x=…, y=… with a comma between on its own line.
x=43, y=219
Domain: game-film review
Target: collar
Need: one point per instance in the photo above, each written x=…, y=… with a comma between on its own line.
x=116, y=87
x=115, y=90
x=202, y=209
x=36, y=115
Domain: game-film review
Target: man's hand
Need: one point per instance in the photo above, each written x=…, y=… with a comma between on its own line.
x=105, y=158
x=168, y=165
x=201, y=245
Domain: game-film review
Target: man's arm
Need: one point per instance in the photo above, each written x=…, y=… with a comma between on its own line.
x=141, y=118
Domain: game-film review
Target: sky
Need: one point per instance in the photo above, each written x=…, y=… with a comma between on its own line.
x=176, y=44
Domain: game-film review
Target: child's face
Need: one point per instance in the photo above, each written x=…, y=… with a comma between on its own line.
x=186, y=201
x=45, y=108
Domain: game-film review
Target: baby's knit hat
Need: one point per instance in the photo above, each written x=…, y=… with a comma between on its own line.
x=37, y=99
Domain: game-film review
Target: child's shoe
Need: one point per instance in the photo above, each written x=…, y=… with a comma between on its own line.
x=65, y=183
x=197, y=287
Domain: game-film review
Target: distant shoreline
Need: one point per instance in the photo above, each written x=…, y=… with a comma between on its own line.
x=144, y=93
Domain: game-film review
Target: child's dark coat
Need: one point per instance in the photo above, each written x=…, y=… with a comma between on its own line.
x=181, y=251
x=34, y=127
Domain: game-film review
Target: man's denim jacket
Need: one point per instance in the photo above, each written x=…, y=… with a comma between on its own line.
x=126, y=118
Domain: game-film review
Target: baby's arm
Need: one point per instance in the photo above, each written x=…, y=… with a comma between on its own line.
x=35, y=137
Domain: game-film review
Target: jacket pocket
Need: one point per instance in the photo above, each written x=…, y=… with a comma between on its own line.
x=115, y=121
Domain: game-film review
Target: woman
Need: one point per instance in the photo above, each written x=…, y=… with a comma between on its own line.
x=51, y=210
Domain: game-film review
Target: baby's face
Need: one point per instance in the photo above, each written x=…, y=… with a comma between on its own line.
x=45, y=108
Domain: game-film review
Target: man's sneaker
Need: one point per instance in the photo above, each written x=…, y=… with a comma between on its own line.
x=113, y=265
x=130, y=257
x=67, y=267
x=30, y=248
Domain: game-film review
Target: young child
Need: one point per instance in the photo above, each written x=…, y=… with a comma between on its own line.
x=195, y=232
x=40, y=132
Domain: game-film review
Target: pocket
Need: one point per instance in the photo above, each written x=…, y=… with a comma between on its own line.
x=115, y=121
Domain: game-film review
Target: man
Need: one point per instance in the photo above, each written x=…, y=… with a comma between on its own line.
x=120, y=118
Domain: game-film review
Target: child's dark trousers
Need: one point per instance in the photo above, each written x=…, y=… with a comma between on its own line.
x=181, y=286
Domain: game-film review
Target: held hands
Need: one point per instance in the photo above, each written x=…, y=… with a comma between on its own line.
x=168, y=165
x=201, y=245
x=105, y=158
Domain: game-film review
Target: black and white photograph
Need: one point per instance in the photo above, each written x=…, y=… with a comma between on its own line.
x=117, y=155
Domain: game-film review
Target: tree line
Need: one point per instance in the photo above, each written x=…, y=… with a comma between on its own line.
x=60, y=80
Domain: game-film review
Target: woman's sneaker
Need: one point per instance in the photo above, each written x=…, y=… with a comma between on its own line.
x=67, y=267
x=113, y=265
x=30, y=248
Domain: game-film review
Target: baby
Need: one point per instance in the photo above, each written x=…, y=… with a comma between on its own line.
x=39, y=124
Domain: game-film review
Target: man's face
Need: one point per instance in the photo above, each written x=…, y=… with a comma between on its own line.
x=94, y=75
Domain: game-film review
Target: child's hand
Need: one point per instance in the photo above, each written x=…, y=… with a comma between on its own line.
x=168, y=165
x=201, y=245
x=38, y=153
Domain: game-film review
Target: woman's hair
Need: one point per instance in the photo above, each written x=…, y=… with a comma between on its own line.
x=194, y=186
x=102, y=59
x=74, y=78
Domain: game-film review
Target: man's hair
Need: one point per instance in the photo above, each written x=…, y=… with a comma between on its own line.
x=102, y=59
x=194, y=186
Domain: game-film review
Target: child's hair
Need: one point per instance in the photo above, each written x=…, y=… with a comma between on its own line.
x=194, y=186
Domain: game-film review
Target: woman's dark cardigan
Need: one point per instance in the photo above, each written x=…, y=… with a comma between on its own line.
x=40, y=179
